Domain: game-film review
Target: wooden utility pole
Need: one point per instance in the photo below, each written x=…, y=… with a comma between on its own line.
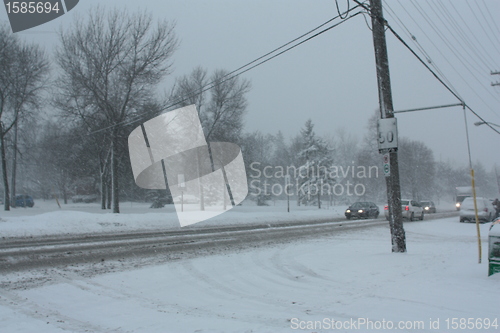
x=386, y=112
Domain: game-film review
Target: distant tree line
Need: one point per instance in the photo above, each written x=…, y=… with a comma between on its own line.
x=339, y=169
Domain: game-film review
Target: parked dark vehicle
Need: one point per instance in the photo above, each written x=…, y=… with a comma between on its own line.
x=428, y=206
x=23, y=200
x=159, y=199
x=362, y=210
x=85, y=198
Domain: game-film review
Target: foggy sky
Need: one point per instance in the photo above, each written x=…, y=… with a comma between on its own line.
x=331, y=79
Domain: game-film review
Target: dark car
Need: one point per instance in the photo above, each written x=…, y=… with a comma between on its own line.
x=362, y=210
x=23, y=200
x=84, y=198
x=428, y=206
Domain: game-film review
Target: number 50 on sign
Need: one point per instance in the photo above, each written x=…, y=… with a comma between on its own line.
x=387, y=134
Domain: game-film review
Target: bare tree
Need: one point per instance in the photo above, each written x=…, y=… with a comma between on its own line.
x=60, y=159
x=8, y=45
x=221, y=112
x=32, y=72
x=110, y=64
x=221, y=108
x=417, y=165
x=23, y=73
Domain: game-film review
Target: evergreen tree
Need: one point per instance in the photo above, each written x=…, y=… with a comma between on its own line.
x=315, y=164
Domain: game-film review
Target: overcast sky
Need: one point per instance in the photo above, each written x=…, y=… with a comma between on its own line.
x=331, y=79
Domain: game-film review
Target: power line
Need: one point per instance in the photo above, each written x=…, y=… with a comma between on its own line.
x=461, y=33
x=423, y=62
x=438, y=78
x=464, y=31
x=477, y=115
x=437, y=48
x=458, y=55
x=466, y=62
x=419, y=46
x=237, y=72
x=487, y=22
x=292, y=41
x=491, y=17
x=338, y=9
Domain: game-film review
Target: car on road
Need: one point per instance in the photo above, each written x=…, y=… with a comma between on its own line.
x=84, y=198
x=23, y=200
x=428, y=206
x=485, y=210
x=411, y=210
x=363, y=209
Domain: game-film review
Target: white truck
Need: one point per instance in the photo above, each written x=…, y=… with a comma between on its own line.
x=461, y=193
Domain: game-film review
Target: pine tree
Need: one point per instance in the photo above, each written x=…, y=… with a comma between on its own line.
x=315, y=160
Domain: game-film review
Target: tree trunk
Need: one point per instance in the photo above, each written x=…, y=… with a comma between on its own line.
x=108, y=192
x=65, y=195
x=103, y=192
x=114, y=174
x=6, y=203
x=14, y=166
x=103, y=184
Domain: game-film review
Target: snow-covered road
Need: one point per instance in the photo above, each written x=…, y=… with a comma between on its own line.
x=349, y=277
x=17, y=254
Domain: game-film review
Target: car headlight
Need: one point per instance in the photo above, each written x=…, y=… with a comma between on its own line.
x=426, y=208
x=348, y=211
x=360, y=211
x=457, y=204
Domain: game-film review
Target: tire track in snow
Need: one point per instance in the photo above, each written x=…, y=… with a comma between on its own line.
x=46, y=315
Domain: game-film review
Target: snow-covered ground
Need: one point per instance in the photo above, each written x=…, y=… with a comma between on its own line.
x=350, y=278
x=46, y=218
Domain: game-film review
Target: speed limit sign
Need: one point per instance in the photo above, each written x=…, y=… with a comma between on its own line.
x=387, y=134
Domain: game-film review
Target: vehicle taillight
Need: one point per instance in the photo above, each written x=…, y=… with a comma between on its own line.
x=386, y=207
x=407, y=208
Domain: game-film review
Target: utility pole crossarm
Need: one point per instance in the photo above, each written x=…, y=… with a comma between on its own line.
x=495, y=83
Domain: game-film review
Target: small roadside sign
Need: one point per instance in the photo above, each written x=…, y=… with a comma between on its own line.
x=181, y=185
x=180, y=181
x=387, y=165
